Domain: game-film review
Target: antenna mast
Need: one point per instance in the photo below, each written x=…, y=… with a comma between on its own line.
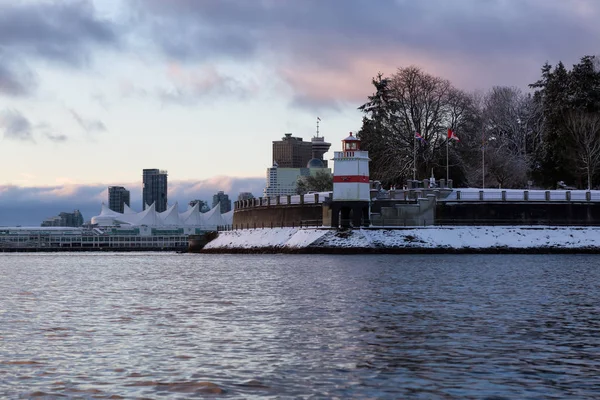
x=318, y=119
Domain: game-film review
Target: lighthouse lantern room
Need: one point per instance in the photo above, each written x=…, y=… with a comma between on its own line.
x=351, y=189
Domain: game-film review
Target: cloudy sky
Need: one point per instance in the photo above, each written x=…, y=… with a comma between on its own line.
x=93, y=91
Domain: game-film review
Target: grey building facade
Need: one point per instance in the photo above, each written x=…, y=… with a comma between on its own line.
x=154, y=189
x=222, y=199
x=74, y=219
x=292, y=152
x=118, y=196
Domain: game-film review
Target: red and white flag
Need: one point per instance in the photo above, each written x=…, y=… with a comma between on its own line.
x=452, y=136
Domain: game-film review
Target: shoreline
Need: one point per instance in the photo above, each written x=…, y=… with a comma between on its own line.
x=418, y=240
x=408, y=250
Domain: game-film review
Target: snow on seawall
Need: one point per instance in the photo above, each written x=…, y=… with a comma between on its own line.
x=427, y=238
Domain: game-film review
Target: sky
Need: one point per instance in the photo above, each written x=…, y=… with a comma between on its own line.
x=94, y=91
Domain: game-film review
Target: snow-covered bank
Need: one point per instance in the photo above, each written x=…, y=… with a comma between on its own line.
x=430, y=239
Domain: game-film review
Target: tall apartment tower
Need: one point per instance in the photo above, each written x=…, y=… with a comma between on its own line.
x=154, y=189
x=118, y=196
x=223, y=200
x=292, y=152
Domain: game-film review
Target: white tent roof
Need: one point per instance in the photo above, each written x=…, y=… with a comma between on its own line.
x=228, y=217
x=171, y=217
x=213, y=217
x=192, y=216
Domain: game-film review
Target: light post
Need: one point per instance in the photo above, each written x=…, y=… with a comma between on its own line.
x=483, y=144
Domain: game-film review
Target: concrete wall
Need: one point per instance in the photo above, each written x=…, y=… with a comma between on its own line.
x=518, y=213
x=278, y=216
x=393, y=213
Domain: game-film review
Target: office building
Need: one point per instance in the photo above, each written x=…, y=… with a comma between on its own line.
x=222, y=199
x=118, y=196
x=74, y=219
x=292, y=152
x=154, y=189
x=283, y=181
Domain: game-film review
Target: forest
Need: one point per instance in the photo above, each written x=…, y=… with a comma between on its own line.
x=545, y=137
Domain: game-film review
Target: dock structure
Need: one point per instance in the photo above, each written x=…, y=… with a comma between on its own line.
x=33, y=239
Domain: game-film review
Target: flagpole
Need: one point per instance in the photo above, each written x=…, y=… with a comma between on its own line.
x=447, y=161
x=414, y=156
x=483, y=162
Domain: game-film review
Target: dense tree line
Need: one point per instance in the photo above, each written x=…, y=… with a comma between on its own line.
x=508, y=137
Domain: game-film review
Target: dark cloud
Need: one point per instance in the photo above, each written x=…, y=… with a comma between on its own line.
x=477, y=42
x=61, y=32
x=54, y=30
x=16, y=126
x=89, y=125
x=29, y=206
x=316, y=27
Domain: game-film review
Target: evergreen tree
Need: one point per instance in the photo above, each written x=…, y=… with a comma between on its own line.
x=561, y=93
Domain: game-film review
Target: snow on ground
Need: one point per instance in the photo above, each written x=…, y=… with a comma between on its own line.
x=275, y=237
x=477, y=237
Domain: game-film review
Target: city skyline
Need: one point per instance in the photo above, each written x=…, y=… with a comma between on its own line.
x=93, y=91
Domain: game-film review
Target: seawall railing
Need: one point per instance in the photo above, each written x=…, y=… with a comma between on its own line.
x=466, y=195
x=311, y=198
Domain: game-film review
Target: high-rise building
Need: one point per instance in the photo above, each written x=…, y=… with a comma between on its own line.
x=284, y=181
x=74, y=219
x=155, y=189
x=292, y=152
x=223, y=200
x=118, y=196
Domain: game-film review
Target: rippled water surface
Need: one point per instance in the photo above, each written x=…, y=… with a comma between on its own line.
x=286, y=326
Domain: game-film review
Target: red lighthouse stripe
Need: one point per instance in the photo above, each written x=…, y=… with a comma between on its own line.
x=350, y=179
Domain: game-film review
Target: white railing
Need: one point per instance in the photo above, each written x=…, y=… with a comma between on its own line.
x=471, y=194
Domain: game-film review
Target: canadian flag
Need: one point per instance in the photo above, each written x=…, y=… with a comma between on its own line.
x=452, y=136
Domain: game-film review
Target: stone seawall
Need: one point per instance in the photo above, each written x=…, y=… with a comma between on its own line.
x=273, y=216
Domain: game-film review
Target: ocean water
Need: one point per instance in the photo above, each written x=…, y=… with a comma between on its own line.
x=160, y=325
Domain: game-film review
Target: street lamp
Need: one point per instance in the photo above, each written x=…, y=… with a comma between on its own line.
x=483, y=159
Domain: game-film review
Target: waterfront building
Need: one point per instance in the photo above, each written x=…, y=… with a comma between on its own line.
x=118, y=197
x=170, y=219
x=222, y=200
x=291, y=152
x=154, y=189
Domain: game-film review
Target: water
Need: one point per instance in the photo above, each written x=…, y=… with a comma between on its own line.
x=284, y=326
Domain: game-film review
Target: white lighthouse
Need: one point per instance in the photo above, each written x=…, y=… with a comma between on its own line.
x=351, y=189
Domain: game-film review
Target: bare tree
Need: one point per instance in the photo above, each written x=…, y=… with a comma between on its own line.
x=584, y=128
x=412, y=101
x=514, y=121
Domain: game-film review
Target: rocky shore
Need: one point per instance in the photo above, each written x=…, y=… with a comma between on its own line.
x=434, y=240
